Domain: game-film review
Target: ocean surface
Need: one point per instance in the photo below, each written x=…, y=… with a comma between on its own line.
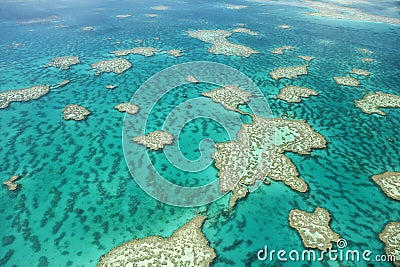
x=77, y=198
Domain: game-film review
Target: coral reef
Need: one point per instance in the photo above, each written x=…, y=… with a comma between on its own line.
x=175, y=52
x=292, y=93
x=191, y=79
x=288, y=72
x=63, y=62
x=371, y=103
x=306, y=58
x=127, y=107
x=116, y=65
x=313, y=228
x=389, y=182
x=244, y=30
x=360, y=72
x=144, y=51
x=12, y=185
x=186, y=247
x=75, y=112
x=220, y=44
x=281, y=50
x=24, y=94
x=391, y=237
x=229, y=96
x=347, y=81
x=235, y=7
x=154, y=140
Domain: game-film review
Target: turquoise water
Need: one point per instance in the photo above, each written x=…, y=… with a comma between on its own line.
x=77, y=199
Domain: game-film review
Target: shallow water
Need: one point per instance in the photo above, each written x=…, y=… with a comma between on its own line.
x=77, y=199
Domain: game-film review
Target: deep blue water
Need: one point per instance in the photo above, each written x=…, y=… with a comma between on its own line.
x=77, y=199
